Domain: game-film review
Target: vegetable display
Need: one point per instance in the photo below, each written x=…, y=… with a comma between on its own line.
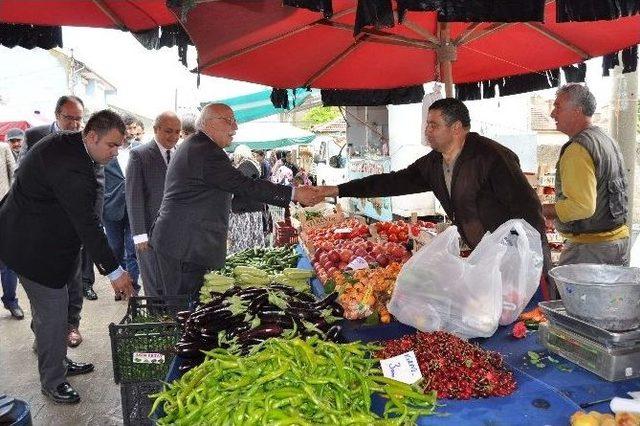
x=244, y=317
x=287, y=382
x=249, y=276
x=270, y=260
x=454, y=368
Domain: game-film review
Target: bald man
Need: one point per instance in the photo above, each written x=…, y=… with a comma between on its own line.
x=146, y=173
x=190, y=233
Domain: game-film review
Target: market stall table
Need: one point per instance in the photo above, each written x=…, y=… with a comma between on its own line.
x=545, y=396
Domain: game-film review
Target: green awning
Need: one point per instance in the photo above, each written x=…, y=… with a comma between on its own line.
x=268, y=135
x=258, y=105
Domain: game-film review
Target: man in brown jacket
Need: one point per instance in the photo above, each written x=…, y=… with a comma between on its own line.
x=478, y=181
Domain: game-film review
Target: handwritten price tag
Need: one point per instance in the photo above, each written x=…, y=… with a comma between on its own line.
x=343, y=231
x=403, y=368
x=358, y=263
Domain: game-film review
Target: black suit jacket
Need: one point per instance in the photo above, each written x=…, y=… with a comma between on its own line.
x=50, y=212
x=193, y=220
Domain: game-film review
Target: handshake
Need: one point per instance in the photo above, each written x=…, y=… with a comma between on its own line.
x=312, y=195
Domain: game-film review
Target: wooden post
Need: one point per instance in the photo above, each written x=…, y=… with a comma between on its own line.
x=446, y=54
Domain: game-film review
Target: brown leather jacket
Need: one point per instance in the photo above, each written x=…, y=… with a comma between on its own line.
x=487, y=189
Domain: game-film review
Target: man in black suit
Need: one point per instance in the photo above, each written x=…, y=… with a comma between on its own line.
x=69, y=113
x=190, y=233
x=48, y=214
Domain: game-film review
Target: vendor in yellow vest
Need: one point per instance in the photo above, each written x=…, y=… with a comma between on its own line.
x=591, y=185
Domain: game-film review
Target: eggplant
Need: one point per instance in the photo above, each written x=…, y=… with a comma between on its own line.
x=250, y=292
x=327, y=301
x=337, y=310
x=182, y=317
x=333, y=333
x=237, y=330
x=305, y=297
x=282, y=319
x=300, y=304
x=265, y=331
x=232, y=291
x=282, y=287
x=257, y=303
x=305, y=314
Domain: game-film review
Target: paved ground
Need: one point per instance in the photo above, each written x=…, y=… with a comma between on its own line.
x=100, y=403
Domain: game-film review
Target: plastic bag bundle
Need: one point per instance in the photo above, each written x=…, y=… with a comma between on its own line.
x=438, y=289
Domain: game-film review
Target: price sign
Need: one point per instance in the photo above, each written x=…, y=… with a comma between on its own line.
x=358, y=263
x=403, y=368
x=148, y=358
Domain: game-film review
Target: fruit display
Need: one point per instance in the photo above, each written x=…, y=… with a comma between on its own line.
x=452, y=367
x=399, y=230
x=366, y=291
x=331, y=257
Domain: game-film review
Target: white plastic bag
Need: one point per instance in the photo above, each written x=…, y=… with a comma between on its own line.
x=439, y=290
x=521, y=266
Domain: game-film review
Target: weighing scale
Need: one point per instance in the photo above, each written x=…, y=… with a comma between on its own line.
x=611, y=355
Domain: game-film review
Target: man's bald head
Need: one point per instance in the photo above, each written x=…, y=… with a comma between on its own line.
x=166, y=129
x=218, y=122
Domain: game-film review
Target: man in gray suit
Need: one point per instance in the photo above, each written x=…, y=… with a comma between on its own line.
x=144, y=187
x=190, y=233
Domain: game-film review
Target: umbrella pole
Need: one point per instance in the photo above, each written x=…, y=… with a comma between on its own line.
x=446, y=54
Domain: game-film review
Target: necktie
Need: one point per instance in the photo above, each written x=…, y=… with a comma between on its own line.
x=168, y=156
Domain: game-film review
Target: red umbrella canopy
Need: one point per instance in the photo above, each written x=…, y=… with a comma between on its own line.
x=131, y=15
x=268, y=43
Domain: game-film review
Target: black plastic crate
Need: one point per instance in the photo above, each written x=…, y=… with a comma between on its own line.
x=142, y=343
x=136, y=404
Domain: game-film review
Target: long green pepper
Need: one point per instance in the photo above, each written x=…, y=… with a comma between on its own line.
x=290, y=382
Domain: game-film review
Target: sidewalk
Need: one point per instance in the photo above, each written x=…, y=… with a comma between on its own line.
x=100, y=404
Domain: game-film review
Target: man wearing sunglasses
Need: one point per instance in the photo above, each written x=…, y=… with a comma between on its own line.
x=69, y=114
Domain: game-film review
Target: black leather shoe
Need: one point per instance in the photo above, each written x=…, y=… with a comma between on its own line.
x=62, y=394
x=89, y=294
x=76, y=368
x=16, y=312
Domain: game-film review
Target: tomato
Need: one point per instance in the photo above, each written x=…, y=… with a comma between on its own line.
x=342, y=266
x=393, y=238
x=327, y=265
x=345, y=255
x=327, y=246
x=334, y=256
x=402, y=236
x=361, y=251
x=398, y=252
x=382, y=260
x=323, y=258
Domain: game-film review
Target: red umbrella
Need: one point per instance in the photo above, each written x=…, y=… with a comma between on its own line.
x=130, y=15
x=265, y=42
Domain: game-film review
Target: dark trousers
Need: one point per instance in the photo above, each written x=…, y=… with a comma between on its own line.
x=88, y=274
x=121, y=242
x=9, y=285
x=49, y=309
x=179, y=277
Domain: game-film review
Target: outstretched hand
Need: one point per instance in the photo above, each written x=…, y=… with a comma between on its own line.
x=312, y=195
